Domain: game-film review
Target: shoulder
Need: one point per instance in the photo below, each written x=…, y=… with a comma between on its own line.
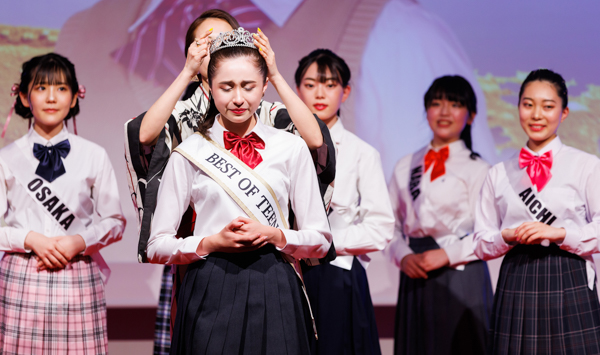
x=402, y=167
x=86, y=146
x=579, y=155
x=364, y=148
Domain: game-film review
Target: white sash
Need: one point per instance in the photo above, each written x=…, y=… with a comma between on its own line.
x=248, y=189
x=47, y=196
x=537, y=209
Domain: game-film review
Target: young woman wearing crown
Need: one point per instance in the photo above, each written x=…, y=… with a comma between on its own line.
x=240, y=294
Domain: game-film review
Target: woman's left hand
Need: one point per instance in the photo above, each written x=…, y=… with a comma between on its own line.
x=264, y=48
x=434, y=259
x=536, y=232
x=269, y=234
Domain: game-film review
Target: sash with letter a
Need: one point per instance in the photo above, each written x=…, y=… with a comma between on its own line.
x=47, y=196
x=248, y=189
x=537, y=209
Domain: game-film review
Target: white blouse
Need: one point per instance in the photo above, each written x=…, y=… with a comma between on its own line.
x=572, y=195
x=444, y=208
x=288, y=168
x=361, y=216
x=89, y=180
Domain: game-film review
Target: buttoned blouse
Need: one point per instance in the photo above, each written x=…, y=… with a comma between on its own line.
x=444, y=208
x=287, y=167
x=572, y=195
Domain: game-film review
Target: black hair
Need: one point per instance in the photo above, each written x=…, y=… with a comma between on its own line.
x=47, y=69
x=455, y=88
x=325, y=59
x=215, y=59
x=213, y=13
x=550, y=77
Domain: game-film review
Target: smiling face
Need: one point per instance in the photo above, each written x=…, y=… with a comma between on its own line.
x=218, y=26
x=49, y=104
x=237, y=88
x=447, y=119
x=322, y=98
x=541, y=113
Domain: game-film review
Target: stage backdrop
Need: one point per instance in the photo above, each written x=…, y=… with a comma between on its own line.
x=127, y=52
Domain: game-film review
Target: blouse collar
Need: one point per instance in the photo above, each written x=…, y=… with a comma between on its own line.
x=553, y=146
x=216, y=131
x=35, y=137
x=337, y=131
x=454, y=147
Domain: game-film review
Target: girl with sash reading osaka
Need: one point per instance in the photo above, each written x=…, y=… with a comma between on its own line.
x=445, y=293
x=541, y=210
x=60, y=202
x=240, y=293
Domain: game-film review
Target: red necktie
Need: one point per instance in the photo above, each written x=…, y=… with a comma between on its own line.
x=244, y=148
x=437, y=159
x=538, y=167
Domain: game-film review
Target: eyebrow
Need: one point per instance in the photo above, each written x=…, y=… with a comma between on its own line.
x=528, y=98
x=232, y=83
x=326, y=79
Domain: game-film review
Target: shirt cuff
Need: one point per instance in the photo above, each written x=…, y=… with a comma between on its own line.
x=571, y=240
x=189, y=249
x=89, y=238
x=292, y=242
x=19, y=236
x=454, y=253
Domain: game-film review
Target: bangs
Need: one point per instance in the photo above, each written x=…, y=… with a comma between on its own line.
x=324, y=63
x=454, y=89
x=51, y=73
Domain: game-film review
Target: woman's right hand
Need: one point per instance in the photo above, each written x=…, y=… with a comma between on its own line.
x=411, y=266
x=48, y=250
x=197, y=53
x=231, y=239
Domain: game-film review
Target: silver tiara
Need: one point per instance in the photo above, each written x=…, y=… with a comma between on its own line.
x=236, y=38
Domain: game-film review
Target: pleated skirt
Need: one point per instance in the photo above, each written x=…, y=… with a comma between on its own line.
x=162, y=325
x=246, y=303
x=543, y=304
x=447, y=313
x=51, y=312
x=343, y=310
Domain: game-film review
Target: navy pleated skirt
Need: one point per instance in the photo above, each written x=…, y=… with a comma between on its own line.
x=448, y=313
x=543, y=304
x=246, y=303
x=343, y=310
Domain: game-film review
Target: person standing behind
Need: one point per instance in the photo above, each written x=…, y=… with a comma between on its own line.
x=360, y=217
x=445, y=294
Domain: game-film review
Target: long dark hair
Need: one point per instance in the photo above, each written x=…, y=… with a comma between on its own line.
x=215, y=59
x=214, y=13
x=325, y=59
x=47, y=69
x=550, y=77
x=457, y=89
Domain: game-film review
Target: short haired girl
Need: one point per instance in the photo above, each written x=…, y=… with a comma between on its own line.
x=541, y=209
x=361, y=217
x=53, y=187
x=445, y=293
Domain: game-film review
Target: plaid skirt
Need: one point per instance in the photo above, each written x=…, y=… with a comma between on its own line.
x=241, y=303
x=543, y=304
x=162, y=325
x=51, y=312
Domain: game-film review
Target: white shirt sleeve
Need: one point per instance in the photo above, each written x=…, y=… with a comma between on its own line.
x=111, y=225
x=174, y=196
x=488, y=240
x=461, y=252
x=313, y=237
x=398, y=248
x=584, y=240
x=374, y=227
x=11, y=239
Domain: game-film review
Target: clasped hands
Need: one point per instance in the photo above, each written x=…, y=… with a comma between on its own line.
x=416, y=266
x=533, y=233
x=54, y=252
x=241, y=235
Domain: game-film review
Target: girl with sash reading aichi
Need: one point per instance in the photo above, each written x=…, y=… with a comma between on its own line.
x=60, y=202
x=240, y=293
x=360, y=217
x=445, y=293
x=541, y=210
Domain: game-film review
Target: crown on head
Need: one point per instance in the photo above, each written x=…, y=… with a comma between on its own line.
x=236, y=38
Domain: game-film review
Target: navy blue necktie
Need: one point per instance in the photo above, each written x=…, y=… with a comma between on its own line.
x=51, y=165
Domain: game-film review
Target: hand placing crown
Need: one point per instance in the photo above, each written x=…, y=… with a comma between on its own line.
x=236, y=38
